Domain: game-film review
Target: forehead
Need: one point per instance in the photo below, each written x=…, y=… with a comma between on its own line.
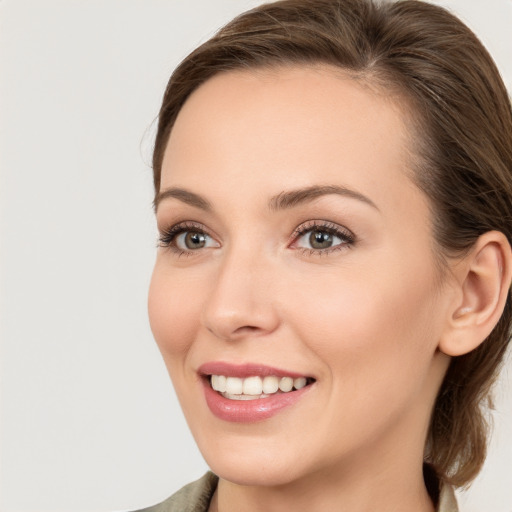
x=288, y=127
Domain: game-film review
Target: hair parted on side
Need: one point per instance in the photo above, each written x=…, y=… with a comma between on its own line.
x=462, y=120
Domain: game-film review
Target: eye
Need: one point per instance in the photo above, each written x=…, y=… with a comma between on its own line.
x=191, y=240
x=322, y=237
x=184, y=238
x=319, y=239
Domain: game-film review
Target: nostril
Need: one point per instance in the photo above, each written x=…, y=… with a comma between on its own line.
x=247, y=328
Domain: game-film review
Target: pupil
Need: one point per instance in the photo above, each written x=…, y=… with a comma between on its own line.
x=195, y=240
x=320, y=240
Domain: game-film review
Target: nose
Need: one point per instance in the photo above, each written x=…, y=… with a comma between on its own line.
x=241, y=303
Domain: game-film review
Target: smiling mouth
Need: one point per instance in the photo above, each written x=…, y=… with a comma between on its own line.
x=255, y=387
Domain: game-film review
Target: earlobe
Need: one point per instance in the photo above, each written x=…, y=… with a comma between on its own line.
x=484, y=277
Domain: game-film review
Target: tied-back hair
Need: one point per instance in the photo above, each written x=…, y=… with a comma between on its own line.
x=451, y=92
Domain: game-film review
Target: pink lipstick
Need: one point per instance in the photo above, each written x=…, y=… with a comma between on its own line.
x=250, y=392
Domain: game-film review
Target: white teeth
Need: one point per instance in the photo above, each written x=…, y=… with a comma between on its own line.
x=299, y=383
x=234, y=385
x=286, y=384
x=254, y=387
x=270, y=384
x=219, y=383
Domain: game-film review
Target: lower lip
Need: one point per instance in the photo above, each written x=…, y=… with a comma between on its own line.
x=250, y=411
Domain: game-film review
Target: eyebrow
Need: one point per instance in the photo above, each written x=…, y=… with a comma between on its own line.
x=293, y=198
x=184, y=196
x=281, y=201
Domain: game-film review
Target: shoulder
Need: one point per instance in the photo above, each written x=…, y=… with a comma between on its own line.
x=194, y=497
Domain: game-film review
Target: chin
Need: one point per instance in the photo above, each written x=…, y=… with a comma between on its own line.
x=253, y=472
x=254, y=460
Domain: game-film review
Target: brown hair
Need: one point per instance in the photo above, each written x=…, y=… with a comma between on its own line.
x=463, y=124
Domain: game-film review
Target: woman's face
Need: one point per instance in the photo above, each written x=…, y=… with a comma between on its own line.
x=296, y=249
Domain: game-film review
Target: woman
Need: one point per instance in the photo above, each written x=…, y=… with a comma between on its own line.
x=331, y=291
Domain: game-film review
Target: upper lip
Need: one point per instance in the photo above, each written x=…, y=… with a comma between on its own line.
x=245, y=370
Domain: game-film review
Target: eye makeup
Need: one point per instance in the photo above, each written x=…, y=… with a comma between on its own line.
x=324, y=237
x=182, y=237
x=314, y=237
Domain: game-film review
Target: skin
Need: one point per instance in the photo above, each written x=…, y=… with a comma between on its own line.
x=364, y=320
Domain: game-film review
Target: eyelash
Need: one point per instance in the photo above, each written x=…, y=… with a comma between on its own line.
x=167, y=238
x=346, y=236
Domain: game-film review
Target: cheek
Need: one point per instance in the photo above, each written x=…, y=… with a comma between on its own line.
x=367, y=326
x=375, y=340
x=174, y=311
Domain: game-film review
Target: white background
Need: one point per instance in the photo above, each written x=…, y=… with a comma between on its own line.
x=89, y=421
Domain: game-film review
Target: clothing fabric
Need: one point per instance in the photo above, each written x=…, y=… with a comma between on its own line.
x=196, y=497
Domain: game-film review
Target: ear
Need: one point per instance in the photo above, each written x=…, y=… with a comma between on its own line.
x=483, y=282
